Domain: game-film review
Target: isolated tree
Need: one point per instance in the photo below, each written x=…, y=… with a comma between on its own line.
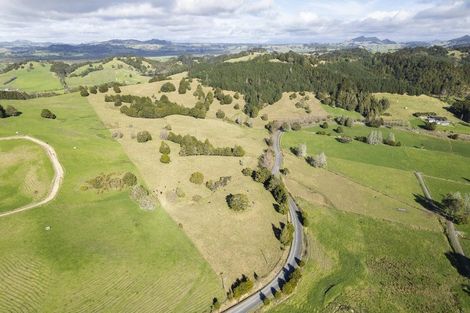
x=129, y=179
x=11, y=111
x=164, y=148
x=286, y=235
x=220, y=114
x=237, y=202
x=375, y=137
x=324, y=125
x=165, y=158
x=93, y=90
x=302, y=150
x=318, y=161
x=197, y=178
x=227, y=99
x=168, y=87
x=430, y=126
x=143, y=136
x=46, y=113
x=457, y=206
x=103, y=88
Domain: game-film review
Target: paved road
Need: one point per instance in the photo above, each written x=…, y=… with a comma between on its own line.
x=295, y=253
x=58, y=175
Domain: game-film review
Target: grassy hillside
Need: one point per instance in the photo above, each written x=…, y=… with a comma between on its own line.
x=35, y=78
x=113, y=71
x=102, y=253
x=233, y=243
x=25, y=174
x=359, y=264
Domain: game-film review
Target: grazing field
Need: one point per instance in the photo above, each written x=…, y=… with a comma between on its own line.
x=234, y=243
x=334, y=111
x=380, y=178
x=35, y=78
x=25, y=174
x=94, y=252
x=360, y=264
x=113, y=71
x=245, y=58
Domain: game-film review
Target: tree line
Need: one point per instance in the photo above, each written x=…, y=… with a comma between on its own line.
x=190, y=145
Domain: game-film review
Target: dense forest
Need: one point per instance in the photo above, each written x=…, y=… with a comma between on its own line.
x=344, y=78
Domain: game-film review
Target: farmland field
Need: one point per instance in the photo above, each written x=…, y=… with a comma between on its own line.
x=89, y=251
x=358, y=263
x=25, y=174
x=37, y=78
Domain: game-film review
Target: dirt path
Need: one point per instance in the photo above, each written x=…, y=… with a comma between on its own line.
x=58, y=175
x=450, y=228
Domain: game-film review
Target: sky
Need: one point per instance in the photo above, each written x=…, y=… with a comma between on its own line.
x=232, y=21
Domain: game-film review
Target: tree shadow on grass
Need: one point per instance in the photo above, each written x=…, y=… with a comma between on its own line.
x=433, y=206
x=460, y=262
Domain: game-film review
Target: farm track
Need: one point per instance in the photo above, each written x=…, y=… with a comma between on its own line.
x=58, y=175
x=450, y=227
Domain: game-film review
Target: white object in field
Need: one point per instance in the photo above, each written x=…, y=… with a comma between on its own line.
x=74, y=148
x=48, y=228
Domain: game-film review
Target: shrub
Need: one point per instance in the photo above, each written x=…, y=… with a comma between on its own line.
x=296, y=126
x=116, y=89
x=247, y=171
x=165, y=159
x=430, y=126
x=264, y=117
x=45, y=113
x=324, y=125
x=84, y=92
x=241, y=287
x=375, y=137
x=197, y=178
x=164, y=148
x=184, y=86
x=457, y=206
x=300, y=150
x=292, y=96
x=222, y=182
x=129, y=179
x=93, y=90
x=376, y=122
x=344, y=139
x=103, y=88
x=236, y=96
x=168, y=87
x=339, y=130
x=237, y=202
x=454, y=136
x=285, y=126
x=286, y=234
x=143, y=136
x=227, y=99
x=11, y=111
x=349, y=122
x=236, y=106
x=220, y=114
x=318, y=161
x=391, y=141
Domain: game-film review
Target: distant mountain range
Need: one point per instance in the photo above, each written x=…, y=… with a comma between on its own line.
x=27, y=50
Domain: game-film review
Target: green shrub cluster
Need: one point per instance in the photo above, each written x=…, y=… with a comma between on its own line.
x=143, y=136
x=46, y=113
x=237, y=202
x=240, y=287
x=168, y=87
x=221, y=182
x=9, y=111
x=192, y=146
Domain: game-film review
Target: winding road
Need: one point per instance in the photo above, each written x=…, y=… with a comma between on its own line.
x=295, y=253
x=58, y=175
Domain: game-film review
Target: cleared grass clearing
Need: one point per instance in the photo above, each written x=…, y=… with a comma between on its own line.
x=25, y=174
x=402, y=107
x=285, y=108
x=334, y=111
x=38, y=78
x=245, y=58
x=232, y=243
x=363, y=264
x=102, y=253
x=325, y=188
x=113, y=71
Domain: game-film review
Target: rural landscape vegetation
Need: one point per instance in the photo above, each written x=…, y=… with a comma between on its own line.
x=159, y=176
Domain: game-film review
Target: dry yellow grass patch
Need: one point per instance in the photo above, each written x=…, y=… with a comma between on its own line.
x=285, y=108
x=233, y=243
x=402, y=107
x=245, y=58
